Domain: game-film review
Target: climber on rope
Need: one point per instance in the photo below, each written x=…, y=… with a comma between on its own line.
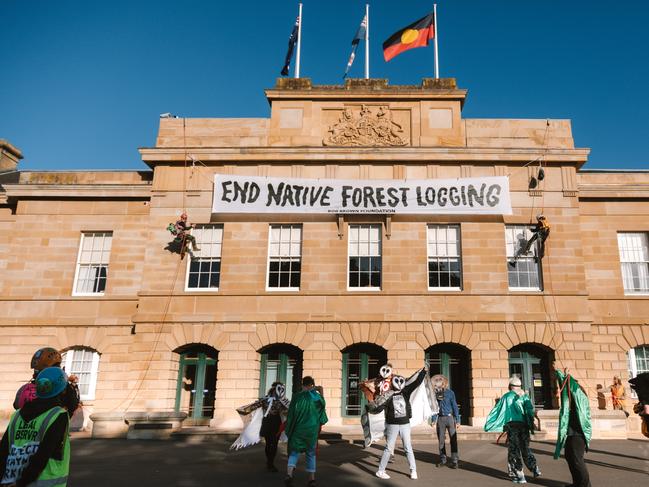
x=180, y=230
x=541, y=232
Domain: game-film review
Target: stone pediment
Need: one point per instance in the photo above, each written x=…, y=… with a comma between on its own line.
x=371, y=126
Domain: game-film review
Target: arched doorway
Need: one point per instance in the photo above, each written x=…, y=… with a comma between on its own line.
x=280, y=363
x=196, y=385
x=361, y=361
x=532, y=363
x=454, y=362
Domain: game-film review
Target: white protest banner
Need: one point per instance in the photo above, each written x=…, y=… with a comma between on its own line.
x=250, y=194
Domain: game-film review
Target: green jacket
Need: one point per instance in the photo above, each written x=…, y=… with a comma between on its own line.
x=572, y=390
x=306, y=415
x=511, y=407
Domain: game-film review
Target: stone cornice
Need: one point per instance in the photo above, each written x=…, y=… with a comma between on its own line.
x=77, y=191
x=366, y=155
x=608, y=191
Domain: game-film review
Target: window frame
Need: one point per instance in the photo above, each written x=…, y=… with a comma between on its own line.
x=189, y=261
x=79, y=264
x=66, y=363
x=633, y=365
x=539, y=267
x=438, y=289
x=268, y=257
x=366, y=288
x=628, y=292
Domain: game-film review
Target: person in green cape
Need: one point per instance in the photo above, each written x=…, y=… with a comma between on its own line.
x=575, y=429
x=514, y=414
x=306, y=415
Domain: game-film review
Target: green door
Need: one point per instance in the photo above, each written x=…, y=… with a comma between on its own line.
x=196, y=386
x=454, y=363
x=281, y=364
x=532, y=366
x=360, y=362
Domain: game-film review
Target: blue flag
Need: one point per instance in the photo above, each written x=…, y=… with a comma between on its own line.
x=360, y=35
x=292, y=40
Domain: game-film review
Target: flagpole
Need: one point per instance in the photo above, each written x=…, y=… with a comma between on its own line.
x=367, y=41
x=436, y=51
x=299, y=43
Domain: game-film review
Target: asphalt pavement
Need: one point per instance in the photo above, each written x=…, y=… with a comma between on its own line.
x=98, y=463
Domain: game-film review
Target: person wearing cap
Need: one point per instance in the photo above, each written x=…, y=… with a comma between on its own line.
x=514, y=414
x=42, y=359
x=35, y=448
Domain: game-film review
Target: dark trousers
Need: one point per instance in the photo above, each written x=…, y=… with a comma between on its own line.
x=575, y=448
x=518, y=452
x=271, y=448
x=447, y=423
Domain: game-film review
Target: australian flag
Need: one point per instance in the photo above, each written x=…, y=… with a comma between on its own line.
x=292, y=40
x=360, y=35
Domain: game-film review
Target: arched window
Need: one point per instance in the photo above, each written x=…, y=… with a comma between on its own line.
x=360, y=362
x=532, y=363
x=454, y=362
x=196, y=385
x=280, y=363
x=84, y=363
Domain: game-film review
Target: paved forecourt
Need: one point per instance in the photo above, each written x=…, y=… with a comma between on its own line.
x=185, y=464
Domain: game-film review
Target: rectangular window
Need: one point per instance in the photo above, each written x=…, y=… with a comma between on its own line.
x=523, y=268
x=284, y=257
x=204, y=270
x=364, y=257
x=634, y=259
x=92, y=263
x=444, y=259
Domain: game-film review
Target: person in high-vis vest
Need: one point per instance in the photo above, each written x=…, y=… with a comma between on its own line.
x=35, y=449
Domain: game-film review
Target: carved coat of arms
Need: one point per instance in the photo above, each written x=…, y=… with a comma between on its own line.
x=367, y=129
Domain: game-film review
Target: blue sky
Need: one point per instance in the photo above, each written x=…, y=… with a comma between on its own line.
x=83, y=82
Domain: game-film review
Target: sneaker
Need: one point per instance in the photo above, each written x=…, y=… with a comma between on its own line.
x=440, y=464
x=454, y=465
x=537, y=472
x=413, y=474
x=382, y=475
x=520, y=480
x=288, y=481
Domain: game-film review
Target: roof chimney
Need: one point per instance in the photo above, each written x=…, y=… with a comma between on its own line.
x=9, y=156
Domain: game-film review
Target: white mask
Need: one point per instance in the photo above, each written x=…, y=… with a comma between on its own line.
x=280, y=390
x=398, y=382
x=386, y=371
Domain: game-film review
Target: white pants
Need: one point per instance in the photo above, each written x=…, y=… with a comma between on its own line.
x=391, y=433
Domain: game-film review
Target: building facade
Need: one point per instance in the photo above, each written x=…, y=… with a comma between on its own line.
x=88, y=265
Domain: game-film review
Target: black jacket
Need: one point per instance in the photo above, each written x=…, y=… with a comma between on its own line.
x=50, y=447
x=397, y=406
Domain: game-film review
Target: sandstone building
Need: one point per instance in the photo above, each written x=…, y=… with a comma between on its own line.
x=87, y=263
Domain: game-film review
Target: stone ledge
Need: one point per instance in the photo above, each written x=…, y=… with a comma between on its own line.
x=155, y=425
x=108, y=425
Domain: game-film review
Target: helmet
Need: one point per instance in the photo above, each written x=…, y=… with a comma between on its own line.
x=45, y=357
x=50, y=382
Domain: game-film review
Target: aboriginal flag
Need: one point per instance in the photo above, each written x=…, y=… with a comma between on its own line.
x=416, y=34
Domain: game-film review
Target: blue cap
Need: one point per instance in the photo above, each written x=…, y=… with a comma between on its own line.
x=50, y=382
